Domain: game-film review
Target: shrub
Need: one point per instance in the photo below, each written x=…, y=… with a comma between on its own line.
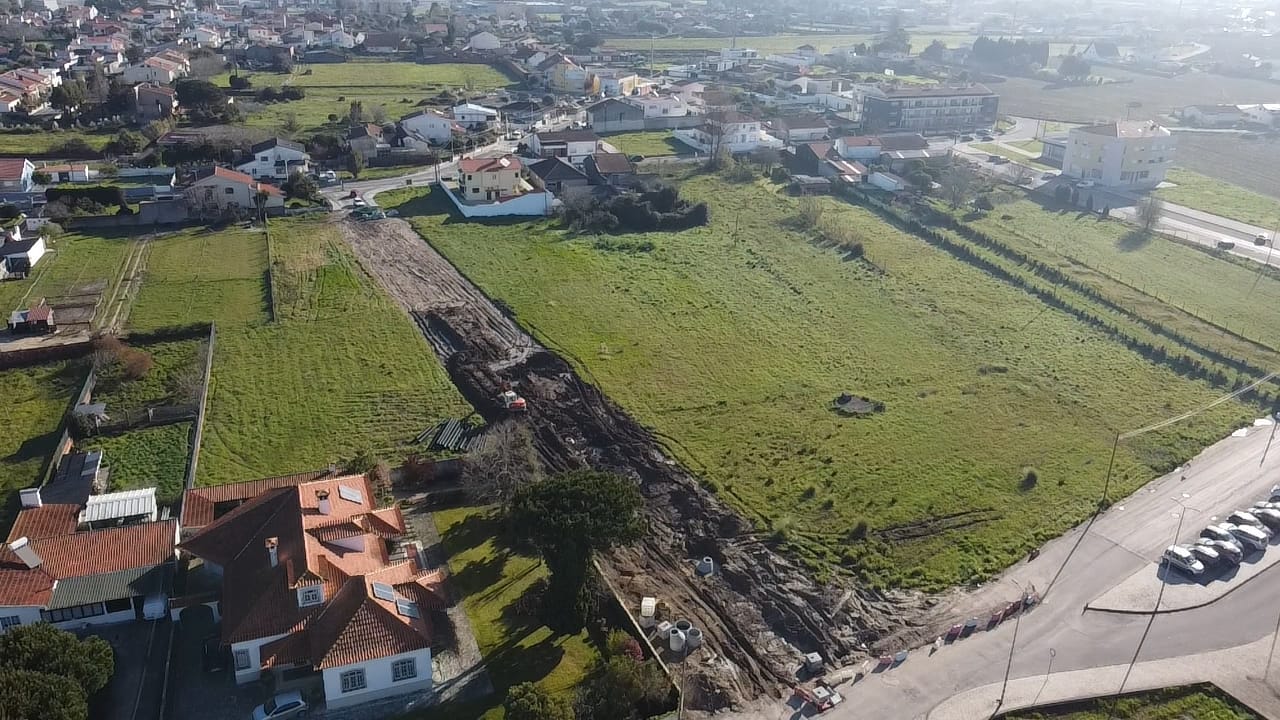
x=809, y=213
x=1029, y=479
x=240, y=82
x=136, y=363
x=859, y=531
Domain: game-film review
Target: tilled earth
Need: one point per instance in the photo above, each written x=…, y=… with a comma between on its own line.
x=759, y=612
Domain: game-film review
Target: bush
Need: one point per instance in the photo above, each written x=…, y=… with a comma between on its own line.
x=621, y=644
x=241, y=82
x=527, y=701
x=809, y=213
x=656, y=210
x=137, y=363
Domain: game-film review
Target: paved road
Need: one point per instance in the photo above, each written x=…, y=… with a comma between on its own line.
x=1134, y=532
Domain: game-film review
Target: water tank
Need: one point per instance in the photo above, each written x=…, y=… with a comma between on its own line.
x=664, y=629
x=676, y=641
x=706, y=566
x=684, y=626
x=693, y=638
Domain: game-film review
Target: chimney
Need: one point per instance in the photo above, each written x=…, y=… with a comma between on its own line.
x=22, y=548
x=31, y=498
x=322, y=502
x=273, y=551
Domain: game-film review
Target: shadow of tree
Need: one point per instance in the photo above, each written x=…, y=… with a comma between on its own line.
x=516, y=664
x=471, y=534
x=40, y=446
x=480, y=575
x=522, y=615
x=1133, y=241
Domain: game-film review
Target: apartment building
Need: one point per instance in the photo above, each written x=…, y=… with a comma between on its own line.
x=938, y=110
x=1133, y=154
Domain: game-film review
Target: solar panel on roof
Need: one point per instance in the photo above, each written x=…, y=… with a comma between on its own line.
x=350, y=494
x=383, y=591
x=408, y=608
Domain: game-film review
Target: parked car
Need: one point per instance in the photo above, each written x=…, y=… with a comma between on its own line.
x=1266, y=505
x=1269, y=517
x=213, y=655
x=1260, y=240
x=1085, y=184
x=966, y=138
x=1207, y=556
x=1251, y=537
x=1183, y=559
x=1243, y=517
x=1229, y=551
x=1221, y=533
x=280, y=706
x=1226, y=245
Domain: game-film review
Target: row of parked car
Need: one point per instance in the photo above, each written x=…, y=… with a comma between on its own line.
x=1225, y=544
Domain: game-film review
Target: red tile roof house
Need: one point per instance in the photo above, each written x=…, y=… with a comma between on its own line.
x=55, y=567
x=215, y=190
x=318, y=580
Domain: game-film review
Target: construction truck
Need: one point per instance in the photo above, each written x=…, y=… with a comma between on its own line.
x=513, y=402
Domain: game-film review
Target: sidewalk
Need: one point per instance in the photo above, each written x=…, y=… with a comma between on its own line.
x=1236, y=670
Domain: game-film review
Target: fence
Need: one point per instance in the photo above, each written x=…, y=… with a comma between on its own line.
x=147, y=417
x=197, y=432
x=35, y=356
x=530, y=204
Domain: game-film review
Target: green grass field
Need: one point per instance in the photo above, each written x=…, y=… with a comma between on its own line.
x=766, y=44
x=650, y=143
x=1031, y=146
x=342, y=369
x=736, y=338
x=1015, y=157
x=152, y=457
x=1198, y=702
x=162, y=385
x=517, y=648
x=20, y=144
x=1212, y=288
x=1212, y=195
x=34, y=400
x=73, y=261
x=395, y=86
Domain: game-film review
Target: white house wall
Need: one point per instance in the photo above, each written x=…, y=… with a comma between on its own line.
x=255, y=658
x=26, y=614
x=378, y=683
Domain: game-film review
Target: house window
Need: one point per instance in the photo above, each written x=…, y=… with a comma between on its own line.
x=404, y=669
x=310, y=596
x=230, y=191
x=9, y=621
x=242, y=660
x=78, y=612
x=353, y=680
x=120, y=605
x=265, y=158
x=475, y=191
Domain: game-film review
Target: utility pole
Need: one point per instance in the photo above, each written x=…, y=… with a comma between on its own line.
x=1106, y=486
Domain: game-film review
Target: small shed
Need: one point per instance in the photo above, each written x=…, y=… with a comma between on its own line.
x=810, y=185
x=34, y=320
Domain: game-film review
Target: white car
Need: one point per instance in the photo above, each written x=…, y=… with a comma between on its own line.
x=1229, y=551
x=1265, y=505
x=1085, y=184
x=1269, y=517
x=1183, y=559
x=1220, y=533
x=281, y=706
x=1251, y=537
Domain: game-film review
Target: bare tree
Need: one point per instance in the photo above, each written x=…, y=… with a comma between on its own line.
x=504, y=463
x=765, y=157
x=1148, y=213
x=1021, y=174
x=958, y=185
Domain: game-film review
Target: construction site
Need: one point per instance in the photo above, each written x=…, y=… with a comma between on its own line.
x=759, y=613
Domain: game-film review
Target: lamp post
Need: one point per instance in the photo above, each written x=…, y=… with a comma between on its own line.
x=1017, y=621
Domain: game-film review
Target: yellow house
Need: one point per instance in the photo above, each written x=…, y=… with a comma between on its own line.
x=569, y=77
x=489, y=179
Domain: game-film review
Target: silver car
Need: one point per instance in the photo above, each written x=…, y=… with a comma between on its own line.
x=1221, y=533
x=1229, y=552
x=1180, y=557
x=1243, y=517
x=1268, y=516
x=1251, y=537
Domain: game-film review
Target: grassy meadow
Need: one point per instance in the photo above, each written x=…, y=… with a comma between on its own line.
x=1202, y=702
x=341, y=369
x=34, y=400
x=151, y=457
x=73, y=261
x=1201, y=192
x=491, y=578
x=45, y=142
x=735, y=338
x=649, y=143
x=396, y=87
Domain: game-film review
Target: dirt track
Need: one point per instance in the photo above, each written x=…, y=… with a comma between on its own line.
x=758, y=612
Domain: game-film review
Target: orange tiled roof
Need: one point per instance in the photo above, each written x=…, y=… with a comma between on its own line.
x=198, y=503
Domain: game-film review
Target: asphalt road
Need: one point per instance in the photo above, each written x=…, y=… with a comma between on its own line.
x=1092, y=558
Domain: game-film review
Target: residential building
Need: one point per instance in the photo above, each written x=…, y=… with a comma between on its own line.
x=614, y=115
x=321, y=584
x=205, y=36
x=473, y=116
x=1213, y=115
x=729, y=131
x=484, y=41
x=661, y=106
x=863, y=148
x=573, y=145
x=153, y=102
x=613, y=169
x=430, y=126
x=75, y=558
x=15, y=174
x=615, y=82
x=490, y=179
x=217, y=190
x=1267, y=114
x=798, y=129
x=275, y=160
x=729, y=58
x=35, y=319
x=69, y=173
x=561, y=74
x=1126, y=154
x=558, y=174
x=888, y=182
x=384, y=43
x=153, y=70
x=366, y=139
x=527, y=114
x=940, y=110
x=17, y=256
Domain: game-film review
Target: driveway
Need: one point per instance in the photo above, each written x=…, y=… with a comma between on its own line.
x=135, y=688
x=198, y=695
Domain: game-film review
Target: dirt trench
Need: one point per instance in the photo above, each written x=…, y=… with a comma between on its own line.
x=759, y=612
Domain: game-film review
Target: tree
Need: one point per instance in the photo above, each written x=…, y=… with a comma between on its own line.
x=503, y=464
x=26, y=695
x=958, y=185
x=935, y=52
x=355, y=113
x=1148, y=213
x=301, y=185
x=199, y=92
x=355, y=164
x=241, y=82
x=69, y=95
x=623, y=689
x=126, y=142
x=45, y=649
x=527, y=701
x=41, y=177
x=569, y=517
x=1074, y=67
x=1021, y=174
x=765, y=157
x=290, y=124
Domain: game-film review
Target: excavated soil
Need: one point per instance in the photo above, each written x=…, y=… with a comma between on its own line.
x=759, y=611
